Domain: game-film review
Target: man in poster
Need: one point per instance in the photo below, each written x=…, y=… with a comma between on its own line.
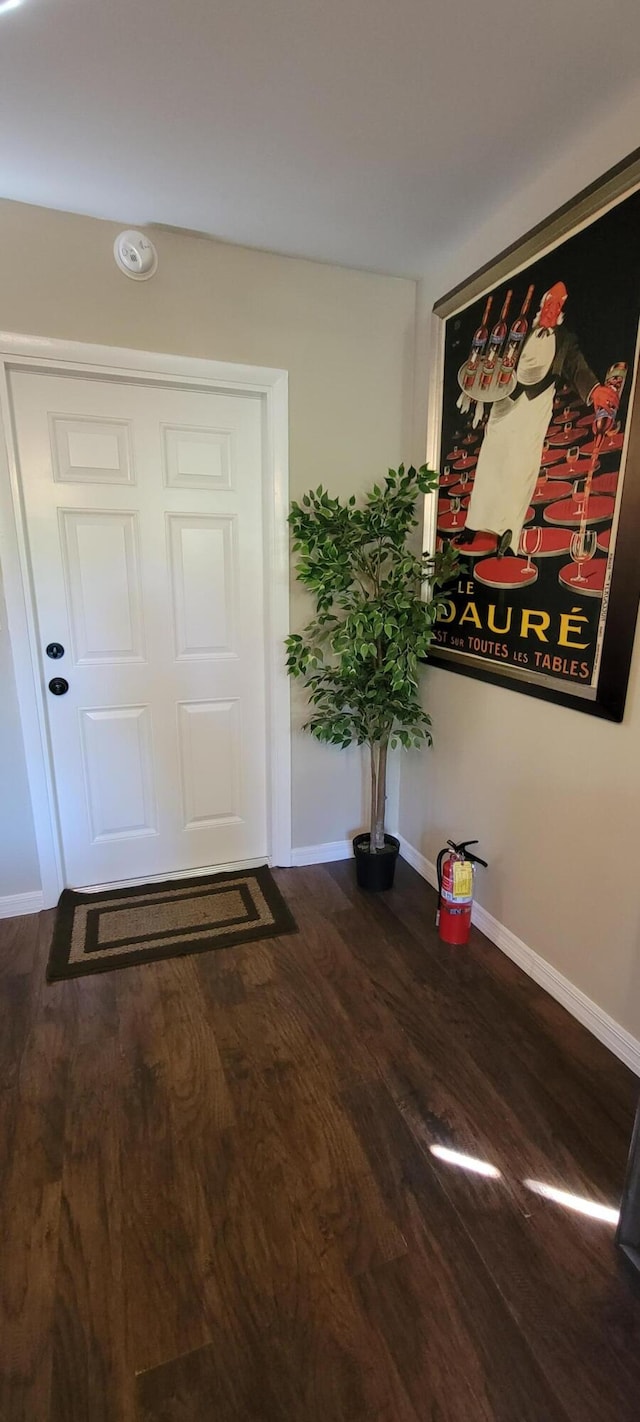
x=509, y=460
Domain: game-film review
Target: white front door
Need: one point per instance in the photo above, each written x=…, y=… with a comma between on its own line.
x=143, y=510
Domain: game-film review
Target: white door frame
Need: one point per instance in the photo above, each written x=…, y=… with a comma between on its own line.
x=109, y=362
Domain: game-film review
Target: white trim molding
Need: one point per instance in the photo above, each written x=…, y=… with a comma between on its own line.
x=327, y=853
x=13, y=905
x=594, y=1018
x=322, y=853
x=113, y=363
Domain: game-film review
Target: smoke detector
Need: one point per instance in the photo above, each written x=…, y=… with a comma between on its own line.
x=135, y=255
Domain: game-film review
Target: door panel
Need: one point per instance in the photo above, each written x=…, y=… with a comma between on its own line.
x=118, y=739
x=144, y=520
x=202, y=584
x=197, y=459
x=91, y=451
x=101, y=569
x=209, y=734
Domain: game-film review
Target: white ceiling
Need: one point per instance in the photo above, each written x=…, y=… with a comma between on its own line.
x=368, y=132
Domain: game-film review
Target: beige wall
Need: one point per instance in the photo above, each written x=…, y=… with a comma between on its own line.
x=347, y=340
x=552, y=794
x=18, y=859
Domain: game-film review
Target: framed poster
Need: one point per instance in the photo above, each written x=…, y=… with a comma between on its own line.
x=535, y=430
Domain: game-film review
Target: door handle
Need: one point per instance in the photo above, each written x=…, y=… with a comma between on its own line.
x=58, y=686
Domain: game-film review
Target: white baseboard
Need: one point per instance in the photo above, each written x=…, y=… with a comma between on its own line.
x=326, y=853
x=12, y=905
x=594, y=1018
x=322, y=853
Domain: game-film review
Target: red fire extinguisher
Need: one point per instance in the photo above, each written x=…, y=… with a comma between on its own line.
x=456, y=868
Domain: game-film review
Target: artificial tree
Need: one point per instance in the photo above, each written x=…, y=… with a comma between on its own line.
x=376, y=604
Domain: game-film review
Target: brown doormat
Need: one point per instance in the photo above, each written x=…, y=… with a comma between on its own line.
x=95, y=933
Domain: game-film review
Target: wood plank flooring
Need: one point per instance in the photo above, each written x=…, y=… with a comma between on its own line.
x=219, y=1200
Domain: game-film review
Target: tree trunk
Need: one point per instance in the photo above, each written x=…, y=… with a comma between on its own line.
x=374, y=795
x=376, y=840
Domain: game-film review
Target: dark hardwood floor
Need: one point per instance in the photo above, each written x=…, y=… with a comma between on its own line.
x=220, y=1201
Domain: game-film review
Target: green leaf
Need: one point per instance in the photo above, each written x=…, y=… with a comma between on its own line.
x=359, y=656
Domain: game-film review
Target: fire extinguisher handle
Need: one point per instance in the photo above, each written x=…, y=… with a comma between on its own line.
x=463, y=848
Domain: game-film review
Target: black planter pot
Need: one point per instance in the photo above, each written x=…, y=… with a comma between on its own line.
x=375, y=872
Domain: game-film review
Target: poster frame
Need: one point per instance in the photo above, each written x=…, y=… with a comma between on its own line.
x=607, y=698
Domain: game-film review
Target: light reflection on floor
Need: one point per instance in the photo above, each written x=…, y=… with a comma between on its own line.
x=465, y=1162
x=591, y=1208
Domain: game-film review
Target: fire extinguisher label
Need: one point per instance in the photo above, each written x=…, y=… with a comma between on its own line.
x=462, y=879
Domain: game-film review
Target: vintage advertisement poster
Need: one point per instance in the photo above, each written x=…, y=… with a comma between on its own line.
x=537, y=394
